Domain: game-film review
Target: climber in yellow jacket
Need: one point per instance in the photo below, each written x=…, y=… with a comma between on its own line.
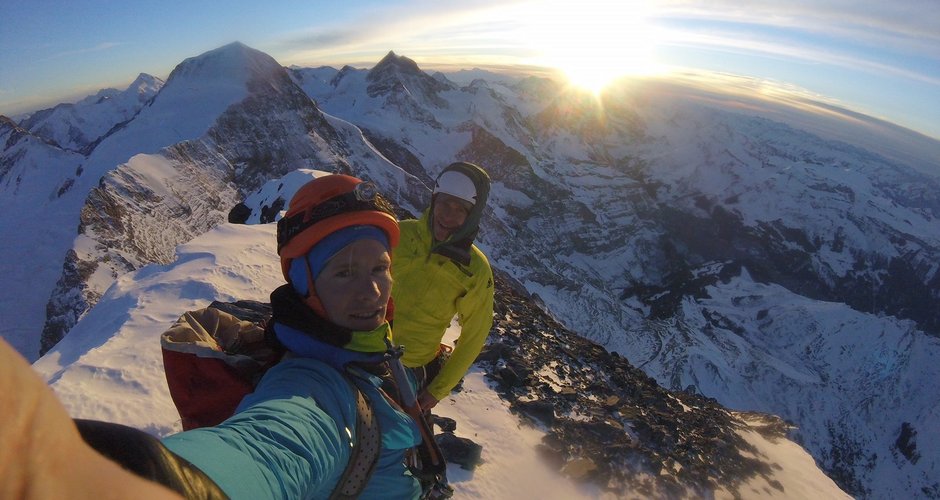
x=439, y=273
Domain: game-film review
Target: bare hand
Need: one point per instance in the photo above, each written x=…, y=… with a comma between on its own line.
x=426, y=401
x=42, y=455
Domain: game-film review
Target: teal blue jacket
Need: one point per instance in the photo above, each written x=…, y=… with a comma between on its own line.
x=292, y=436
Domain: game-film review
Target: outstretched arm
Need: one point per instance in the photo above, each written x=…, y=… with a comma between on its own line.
x=42, y=454
x=475, y=314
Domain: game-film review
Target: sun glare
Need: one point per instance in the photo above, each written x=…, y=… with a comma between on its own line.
x=594, y=42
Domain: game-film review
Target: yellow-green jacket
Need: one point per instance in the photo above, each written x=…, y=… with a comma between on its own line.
x=428, y=290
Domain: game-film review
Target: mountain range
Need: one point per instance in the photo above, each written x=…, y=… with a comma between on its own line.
x=731, y=247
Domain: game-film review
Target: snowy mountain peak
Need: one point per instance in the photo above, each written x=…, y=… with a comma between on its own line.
x=394, y=62
x=479, y=83
x=347, y=69
x=195, y=94
x=6, y=123
x=396, y=74
x=233, y=62
x=10, y=134
x=145, y=84
x=79, y=126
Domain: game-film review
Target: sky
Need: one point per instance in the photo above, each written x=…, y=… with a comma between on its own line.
x=871, y=56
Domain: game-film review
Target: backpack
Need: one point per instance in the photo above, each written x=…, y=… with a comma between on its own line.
x=214, y=357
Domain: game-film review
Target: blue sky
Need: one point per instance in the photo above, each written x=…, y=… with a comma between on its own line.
x=876, y=57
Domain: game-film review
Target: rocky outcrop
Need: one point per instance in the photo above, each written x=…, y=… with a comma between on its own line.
x=128, y=221
x=606, y=421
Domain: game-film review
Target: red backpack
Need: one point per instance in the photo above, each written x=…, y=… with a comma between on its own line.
x=214, y=358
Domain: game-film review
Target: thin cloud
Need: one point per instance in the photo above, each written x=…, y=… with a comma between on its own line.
x=728, y=42
x=322, y=37
x=405, y=29
x=903, y=25
x=97, y=48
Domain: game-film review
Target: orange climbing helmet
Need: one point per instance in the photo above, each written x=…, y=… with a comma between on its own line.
x=328, y=204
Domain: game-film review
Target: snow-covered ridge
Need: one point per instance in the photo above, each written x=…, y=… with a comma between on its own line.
x=77, y=127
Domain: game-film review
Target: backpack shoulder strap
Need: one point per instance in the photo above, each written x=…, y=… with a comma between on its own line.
x=365, y=450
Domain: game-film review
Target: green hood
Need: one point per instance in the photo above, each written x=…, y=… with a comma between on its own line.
x=457, y=246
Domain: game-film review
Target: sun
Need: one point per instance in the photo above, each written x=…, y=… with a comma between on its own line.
x=594, y=42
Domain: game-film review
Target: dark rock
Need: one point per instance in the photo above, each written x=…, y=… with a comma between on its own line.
x=907, y=443
x=542, y=411
x=458, y=450
x=493, y=352
x=239, y=214
x=507, y=377
x=444, y=423
x=269, y=213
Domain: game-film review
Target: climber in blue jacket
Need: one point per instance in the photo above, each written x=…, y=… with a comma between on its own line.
x=289, y=438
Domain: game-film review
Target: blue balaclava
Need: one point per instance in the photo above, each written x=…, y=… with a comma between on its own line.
x=325, y=249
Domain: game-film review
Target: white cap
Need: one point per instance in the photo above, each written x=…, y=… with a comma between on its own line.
x=456, y=184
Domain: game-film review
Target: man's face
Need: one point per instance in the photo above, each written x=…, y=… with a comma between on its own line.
x=449, y=214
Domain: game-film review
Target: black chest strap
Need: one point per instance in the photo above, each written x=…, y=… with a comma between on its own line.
x=365, y=450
